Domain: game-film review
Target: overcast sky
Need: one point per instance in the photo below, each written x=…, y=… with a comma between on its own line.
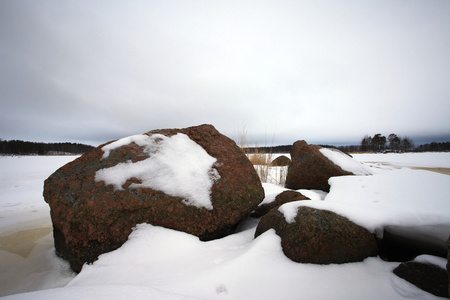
x=324, y=71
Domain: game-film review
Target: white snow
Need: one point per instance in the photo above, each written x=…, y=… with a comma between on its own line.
x=433, y=260
x=423, y=159
x=345, y=162
x=289, y=210
x=176, y=166
x=398, y=197
x=159, y=263
x=272, y=190
x=141, y=140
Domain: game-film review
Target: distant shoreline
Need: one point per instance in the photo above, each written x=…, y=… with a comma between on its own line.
x=445, y=171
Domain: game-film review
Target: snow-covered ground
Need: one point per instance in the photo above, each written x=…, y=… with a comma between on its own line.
x=159, y=263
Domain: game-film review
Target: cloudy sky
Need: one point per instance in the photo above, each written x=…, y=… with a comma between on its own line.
x=324, y=71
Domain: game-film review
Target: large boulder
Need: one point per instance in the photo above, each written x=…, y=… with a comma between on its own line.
x=311, y=166
x=280, y=199
x=310, y=235
x=194, y=180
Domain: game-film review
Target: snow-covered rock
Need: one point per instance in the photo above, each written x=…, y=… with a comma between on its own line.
x=426, y=276
x=312, y=166
x=194, y=180
x=280, y=199
x=317, y=236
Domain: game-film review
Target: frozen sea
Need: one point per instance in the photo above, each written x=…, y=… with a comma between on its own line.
x=159, y=263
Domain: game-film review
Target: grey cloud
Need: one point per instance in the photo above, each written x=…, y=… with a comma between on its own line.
x=317, y=70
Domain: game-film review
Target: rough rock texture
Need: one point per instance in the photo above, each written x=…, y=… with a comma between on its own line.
x=310, y=169
x=281, y=161
x=280, y=199
x=319, y=236
x=427, y=277
x=90, y=218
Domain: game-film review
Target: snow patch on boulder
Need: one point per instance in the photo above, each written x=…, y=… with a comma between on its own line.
x=290, y=210
x=345, y=162
x=176, y=166
x=432, y=260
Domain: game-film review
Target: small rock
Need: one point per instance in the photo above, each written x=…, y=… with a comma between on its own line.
x=427, y=277
x=280, y=161
x=318, y=236
x=280, y=199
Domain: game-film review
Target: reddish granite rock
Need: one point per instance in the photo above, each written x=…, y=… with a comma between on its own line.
x=92, y=216
x=319, y=236
x=310, y=169
x=280, y=199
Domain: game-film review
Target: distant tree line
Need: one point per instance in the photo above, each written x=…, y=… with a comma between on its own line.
x=434, y=147
x=18, y=147
x=393, y=143
x=377, y=143
x=273, y=149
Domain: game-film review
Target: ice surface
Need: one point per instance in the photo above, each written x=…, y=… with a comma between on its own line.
x=423, y=159
x=22, y=205
x=176, y=166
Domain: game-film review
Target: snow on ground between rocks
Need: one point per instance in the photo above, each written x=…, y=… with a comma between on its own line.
x=159, y=263
x=235, y=267
x=398, y=197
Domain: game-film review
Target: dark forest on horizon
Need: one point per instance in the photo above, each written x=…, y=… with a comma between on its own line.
x=377, y=143
x=18, y=147
x=430, y=147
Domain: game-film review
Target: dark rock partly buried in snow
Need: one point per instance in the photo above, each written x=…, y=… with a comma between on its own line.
x=194, y=180
x=427, y=277
x=280, y=199
x=280, y=161
x=318, y=236
x=310, y=169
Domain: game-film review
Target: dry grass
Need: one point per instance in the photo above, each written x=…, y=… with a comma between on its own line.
x=262, y=162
